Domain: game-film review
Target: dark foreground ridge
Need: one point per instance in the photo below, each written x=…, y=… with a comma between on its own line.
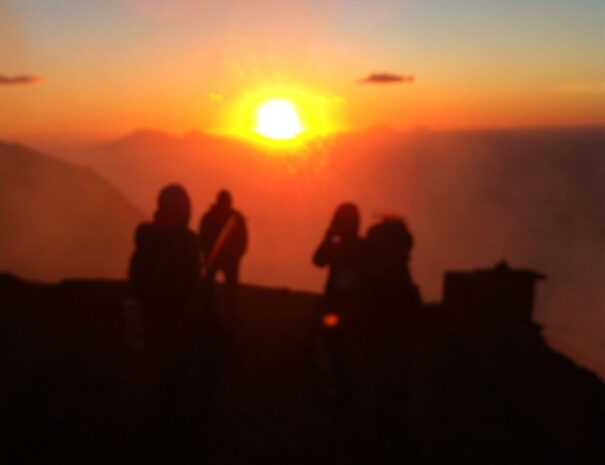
x=476, y=389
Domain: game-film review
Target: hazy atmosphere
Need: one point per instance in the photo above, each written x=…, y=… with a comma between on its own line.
x=481, y=124
x=78, y=77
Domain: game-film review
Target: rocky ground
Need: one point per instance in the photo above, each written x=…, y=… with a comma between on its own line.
x=246, y=388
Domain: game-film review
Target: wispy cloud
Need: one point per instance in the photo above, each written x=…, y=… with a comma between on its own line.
x=387, y=78
x=20, y=80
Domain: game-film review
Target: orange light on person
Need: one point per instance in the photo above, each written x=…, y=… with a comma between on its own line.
x=331, y=320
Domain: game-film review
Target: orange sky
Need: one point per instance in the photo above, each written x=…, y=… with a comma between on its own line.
x=112, y=66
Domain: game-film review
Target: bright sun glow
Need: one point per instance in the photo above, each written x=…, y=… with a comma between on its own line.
x=278, y=119
x=282, y=116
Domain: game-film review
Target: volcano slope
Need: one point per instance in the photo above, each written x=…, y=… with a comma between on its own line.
x=244, y=387
x=59, y=220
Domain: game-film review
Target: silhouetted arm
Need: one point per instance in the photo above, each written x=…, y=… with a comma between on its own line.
x=138, y=270
x=240, y=234
x=191, y=262
x=244, y=236
x=323, y=254
x=205, y=245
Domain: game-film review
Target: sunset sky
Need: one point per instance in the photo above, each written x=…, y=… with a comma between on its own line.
x=100, y=68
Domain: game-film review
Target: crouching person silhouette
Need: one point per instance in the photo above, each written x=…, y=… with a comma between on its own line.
x=164, y=269
x=223, y=241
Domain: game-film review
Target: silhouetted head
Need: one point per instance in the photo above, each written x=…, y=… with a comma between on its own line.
x=390, y=241
x=346, y=220
x=174, y=207
x=223, y=199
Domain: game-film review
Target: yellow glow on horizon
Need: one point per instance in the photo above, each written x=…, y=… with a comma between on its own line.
x=282, y=116
x=278, y=119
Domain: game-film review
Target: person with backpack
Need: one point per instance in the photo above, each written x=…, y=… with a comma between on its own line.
x=223, y=239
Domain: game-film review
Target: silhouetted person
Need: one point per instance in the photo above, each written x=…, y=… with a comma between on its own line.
x=164, y=269
x=389, y=244
x=343, y=251
x=391, y=325
x=223, y=240
x=341, y=344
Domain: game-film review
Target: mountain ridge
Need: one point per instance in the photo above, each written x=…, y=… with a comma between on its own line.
x=60, y=219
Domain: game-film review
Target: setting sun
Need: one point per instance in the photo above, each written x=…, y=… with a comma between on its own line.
x=278, y=119
x=283, y=116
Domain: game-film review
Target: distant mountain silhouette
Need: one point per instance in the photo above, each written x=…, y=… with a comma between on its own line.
x=143, y=139
x=157, y=141
x=60, y=220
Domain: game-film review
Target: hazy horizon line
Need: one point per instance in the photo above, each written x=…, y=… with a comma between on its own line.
x=78, y=138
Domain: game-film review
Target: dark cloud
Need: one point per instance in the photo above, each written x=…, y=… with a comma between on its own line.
x=387, y=78
x=19, y=80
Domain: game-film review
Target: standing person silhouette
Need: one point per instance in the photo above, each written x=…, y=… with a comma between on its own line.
x=390, y=283
x=394, y=326
x=343, y=251
x=164, y=269
x=342, y=347
x=223, y=240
